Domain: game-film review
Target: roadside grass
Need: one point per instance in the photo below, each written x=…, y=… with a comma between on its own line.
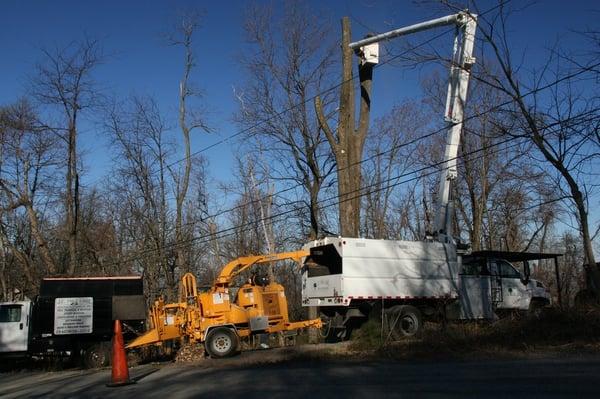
x=575, y=332
x=554, y=333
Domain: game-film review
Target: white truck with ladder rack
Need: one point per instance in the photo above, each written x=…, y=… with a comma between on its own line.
x=348, y=278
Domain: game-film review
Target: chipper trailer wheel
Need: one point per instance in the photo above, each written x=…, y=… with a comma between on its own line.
x=221, y=342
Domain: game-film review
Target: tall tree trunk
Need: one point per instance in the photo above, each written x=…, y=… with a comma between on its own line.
x=314, y=210
x=183, y=187
x=42, y=245
x=348, y=145
x=187, y=123
x=72, y=196
x=3, y=261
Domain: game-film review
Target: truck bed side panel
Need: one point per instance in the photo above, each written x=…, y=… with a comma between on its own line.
x=387, y=269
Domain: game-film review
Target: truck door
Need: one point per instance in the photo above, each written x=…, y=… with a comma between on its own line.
x=14, y=326
x=475, y=290
x=514, y=292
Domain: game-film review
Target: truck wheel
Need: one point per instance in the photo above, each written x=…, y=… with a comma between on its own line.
x=221, y=342
x=536, y=309
x=404, y=321
x=97, y=356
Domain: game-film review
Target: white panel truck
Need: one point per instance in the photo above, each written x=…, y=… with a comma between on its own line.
x=350, y=278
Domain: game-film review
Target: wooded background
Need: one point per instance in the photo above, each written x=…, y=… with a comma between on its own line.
x=310, y=161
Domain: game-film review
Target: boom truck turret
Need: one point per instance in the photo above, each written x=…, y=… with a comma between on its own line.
x=213, y=319
x=405, y=281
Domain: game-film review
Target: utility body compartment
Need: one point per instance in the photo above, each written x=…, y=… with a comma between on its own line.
x=340, y=269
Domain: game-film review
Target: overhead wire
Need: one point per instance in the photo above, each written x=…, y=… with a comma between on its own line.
x=402, y=145
x=235, y=229
x=393, y=148
x=312, y=98
x=394, y=182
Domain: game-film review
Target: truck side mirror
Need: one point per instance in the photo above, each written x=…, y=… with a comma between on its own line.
x=526, y=272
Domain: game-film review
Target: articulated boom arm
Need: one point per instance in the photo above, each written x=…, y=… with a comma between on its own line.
x=238, y=265
x=460, y=70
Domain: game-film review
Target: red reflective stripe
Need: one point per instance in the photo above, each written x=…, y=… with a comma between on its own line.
x=399, y=297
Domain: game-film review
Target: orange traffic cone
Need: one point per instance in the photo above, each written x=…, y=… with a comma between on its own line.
x=120, y=372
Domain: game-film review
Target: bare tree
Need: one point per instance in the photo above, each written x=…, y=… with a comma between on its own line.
x=562, y=125
x=189, y=120
x=390, y=156
x=64, y=80
x=288, y=62
x=348, y=139
x=137, y=129
x=28, y=156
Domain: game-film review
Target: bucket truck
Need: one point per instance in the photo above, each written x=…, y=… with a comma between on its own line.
x=349, y=278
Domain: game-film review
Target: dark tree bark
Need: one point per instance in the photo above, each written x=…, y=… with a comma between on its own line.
x=64, y=80
x=348, y=141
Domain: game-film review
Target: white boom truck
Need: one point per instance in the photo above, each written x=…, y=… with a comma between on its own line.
x=348, y=278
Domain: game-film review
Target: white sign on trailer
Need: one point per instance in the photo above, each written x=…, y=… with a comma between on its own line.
x=73, y=315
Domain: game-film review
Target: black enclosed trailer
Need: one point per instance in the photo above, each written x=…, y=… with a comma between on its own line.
x=74, y=317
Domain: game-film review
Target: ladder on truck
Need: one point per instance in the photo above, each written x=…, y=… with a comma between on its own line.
x=496, y=290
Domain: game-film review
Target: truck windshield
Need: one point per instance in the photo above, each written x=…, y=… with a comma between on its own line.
x=507, y=270
x=474, y=267
x=10, y=313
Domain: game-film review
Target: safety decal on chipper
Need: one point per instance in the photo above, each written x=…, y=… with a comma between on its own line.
x=219, y=298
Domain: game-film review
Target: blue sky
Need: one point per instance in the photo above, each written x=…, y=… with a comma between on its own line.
x=141, y=63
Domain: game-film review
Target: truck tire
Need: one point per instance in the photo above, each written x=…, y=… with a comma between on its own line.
x=97, y=355
x=221, y=342
x=404, y=321
x=536, y=309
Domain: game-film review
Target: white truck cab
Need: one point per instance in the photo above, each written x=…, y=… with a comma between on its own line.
x=14, y=326
x=492, y=276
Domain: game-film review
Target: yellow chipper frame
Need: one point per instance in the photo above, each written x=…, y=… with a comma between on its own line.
x=211, y=318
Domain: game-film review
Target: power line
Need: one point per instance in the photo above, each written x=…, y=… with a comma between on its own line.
x=408, y=143
x=294, y=106
x=393, y=182
x=262, y=122
x=393, y=148
x=311, y=99
x=234, y=229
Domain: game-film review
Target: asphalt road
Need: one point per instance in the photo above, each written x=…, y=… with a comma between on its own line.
x=541, y=378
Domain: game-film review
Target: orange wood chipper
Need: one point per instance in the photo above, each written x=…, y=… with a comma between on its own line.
x=213, y=319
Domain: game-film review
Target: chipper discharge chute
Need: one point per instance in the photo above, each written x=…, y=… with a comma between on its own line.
x=213, y=319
